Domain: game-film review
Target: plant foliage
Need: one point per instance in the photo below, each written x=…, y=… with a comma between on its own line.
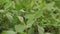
x=29, y=16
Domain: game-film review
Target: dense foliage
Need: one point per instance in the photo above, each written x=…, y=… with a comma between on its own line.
x=29, y=16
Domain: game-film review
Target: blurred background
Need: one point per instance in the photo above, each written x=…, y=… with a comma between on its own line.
x=29, y=16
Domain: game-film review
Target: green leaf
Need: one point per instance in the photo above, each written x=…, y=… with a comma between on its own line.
x=29, y=16
x=50, y=6
x=9, y=16
x=23, y=33
x=1, y=11
x=18, y=4
x=8, y=4
x=40, y=30
x=21, y=19
x=47, y=33
x=31, y=31
x=30, y=23
x=20, y=28
x=38, y=14
x=8, y=32
x=57, y=3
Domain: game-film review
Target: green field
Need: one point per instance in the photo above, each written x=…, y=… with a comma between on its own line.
x=29, y=16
